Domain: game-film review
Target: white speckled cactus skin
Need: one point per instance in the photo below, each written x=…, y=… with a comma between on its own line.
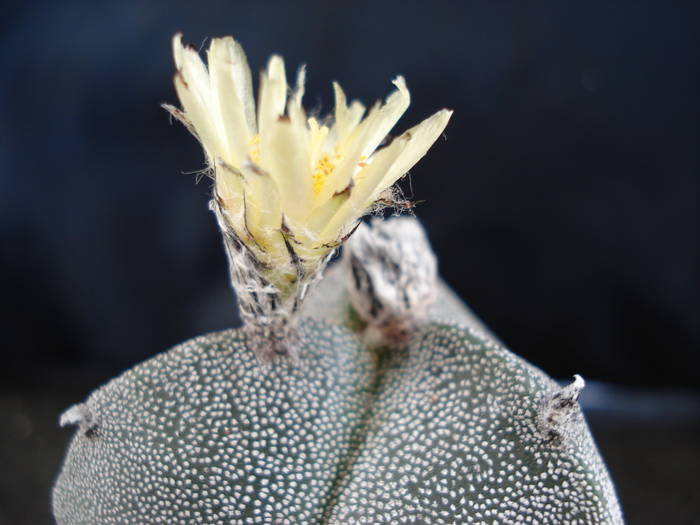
x=453, y=437
x=203, y=434
x=448, y=428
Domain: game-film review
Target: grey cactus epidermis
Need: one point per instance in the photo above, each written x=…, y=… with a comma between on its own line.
x=203, y=434
x=450, y=427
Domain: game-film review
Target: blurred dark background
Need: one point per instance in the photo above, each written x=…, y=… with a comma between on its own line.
x=562, y=204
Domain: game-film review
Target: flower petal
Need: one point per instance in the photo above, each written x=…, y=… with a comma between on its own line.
x=285, y=154
x=320, y=217
x=273, y=96
x=196, y=112
x=346, y=118
x=317, y=139
x=300, y=87
x=420, y=138
x=228, y=183
x=263, y=214
x=227, y=98
x=366, y=183
x=387, y=166
x=366, y=137
x=194, y=71
x=243, y=81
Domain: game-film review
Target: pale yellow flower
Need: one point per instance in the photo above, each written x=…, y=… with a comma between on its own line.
x=291, y=187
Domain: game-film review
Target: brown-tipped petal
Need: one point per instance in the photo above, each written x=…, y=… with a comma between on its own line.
x=195, y=111
x=273, y=95
x=371, y=132
x=366, y=183
x=420, y=138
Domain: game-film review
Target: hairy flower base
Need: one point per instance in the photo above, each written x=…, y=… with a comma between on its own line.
x=268, y=313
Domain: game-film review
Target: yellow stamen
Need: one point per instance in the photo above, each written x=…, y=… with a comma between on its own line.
x=324, y=167
x=254, y=149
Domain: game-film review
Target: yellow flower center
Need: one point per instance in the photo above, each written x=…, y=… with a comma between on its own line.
x=324, y=167
x=254, y=149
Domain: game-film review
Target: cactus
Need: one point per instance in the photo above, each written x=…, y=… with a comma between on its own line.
x=371, y=395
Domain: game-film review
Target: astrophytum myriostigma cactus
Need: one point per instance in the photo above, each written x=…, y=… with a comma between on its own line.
x=373, y=397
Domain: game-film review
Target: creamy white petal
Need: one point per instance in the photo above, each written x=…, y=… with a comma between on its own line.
x=387, y=117
x=273, y=95
x=388, y=165
x=193, y=88
x=355, y=113
x=317, y=139
x=195, y=74
x=243, y=80
x=366, y=182
x=228, y=184
x=285, y=154
x=263, y=213
x=300, y=87
x=236, y=132
x=198, y=115
x=320, y=217
x=342, y=117
x=370, y=133
x=297, y=117
x=419, y=140
x=177, y=50
x=346, y=119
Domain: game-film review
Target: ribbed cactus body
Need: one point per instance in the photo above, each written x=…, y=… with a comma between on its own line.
x=447, y=429
x=455, y=435
x=202, y=434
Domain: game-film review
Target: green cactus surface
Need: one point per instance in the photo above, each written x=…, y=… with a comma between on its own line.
x=449, y=428
x=203, y=434
x=454, y=436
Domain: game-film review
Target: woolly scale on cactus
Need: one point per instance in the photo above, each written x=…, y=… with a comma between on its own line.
x=368, y=395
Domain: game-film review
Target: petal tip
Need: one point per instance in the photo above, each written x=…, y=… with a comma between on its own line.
x=403, y=94
x=177, y=49
x=445, y=114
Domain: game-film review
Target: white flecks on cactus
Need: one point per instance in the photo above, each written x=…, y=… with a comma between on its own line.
x=288, y=188
x=452, y=437
x=203, y=435
x=444, y=430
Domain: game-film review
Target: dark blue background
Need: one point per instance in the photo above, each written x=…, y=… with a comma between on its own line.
x=562, y=204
